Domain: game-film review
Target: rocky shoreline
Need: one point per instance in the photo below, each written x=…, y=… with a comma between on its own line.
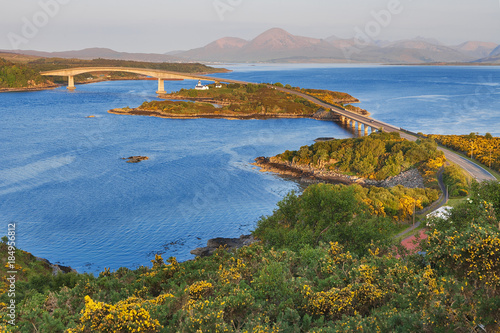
x=321, y=114
x=34, y=88
x=215, y=115
x=227, y=243
x=56, y=268
x=307, y=174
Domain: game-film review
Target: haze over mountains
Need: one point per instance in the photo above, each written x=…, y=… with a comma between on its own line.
x=277, y=45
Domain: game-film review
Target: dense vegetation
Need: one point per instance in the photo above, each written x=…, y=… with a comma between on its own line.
x=46, y=64
x=353, y=216
x=329, y=96
x=336, y=98
x=485, y=149
x=321, y=283
x=377, y=156
x=455, y=179
x=234, y=99
x=17, y=75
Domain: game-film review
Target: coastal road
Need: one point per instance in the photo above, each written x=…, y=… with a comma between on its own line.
x=473, y=169
x=477, y=172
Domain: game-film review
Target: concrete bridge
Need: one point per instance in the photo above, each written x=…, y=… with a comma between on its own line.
x=161, y=75
x=346, y=117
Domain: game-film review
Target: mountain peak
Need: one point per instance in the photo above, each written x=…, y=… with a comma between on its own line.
x=278, y=45
x=274, y=32
x=427, y=40
x=228, y=43
x=279, y=39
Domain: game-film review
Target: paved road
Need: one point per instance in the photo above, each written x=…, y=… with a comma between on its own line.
x=479, y=173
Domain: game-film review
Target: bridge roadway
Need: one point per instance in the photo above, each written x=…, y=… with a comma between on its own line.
x=473, y=169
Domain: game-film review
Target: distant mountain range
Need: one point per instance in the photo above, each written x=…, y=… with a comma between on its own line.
x=277, y=45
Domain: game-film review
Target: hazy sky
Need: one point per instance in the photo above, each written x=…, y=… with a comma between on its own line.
x=164, y=25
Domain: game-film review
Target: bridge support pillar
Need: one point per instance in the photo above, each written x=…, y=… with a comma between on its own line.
x=359, y=126
x=366, y=130
x=161, y=87
x=71, y=83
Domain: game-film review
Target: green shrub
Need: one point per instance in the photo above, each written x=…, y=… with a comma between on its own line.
x=454, y=178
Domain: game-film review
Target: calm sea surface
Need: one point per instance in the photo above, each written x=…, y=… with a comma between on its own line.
x=75, y=201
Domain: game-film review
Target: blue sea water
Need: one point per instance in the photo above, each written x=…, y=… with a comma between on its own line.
x=75, y=201
x=428, y=99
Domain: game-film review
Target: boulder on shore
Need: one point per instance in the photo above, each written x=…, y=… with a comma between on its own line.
x=228, y=243
x=56, y=268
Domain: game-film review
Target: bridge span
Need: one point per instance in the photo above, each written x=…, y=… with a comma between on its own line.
x=346, y=117
x=161, y=75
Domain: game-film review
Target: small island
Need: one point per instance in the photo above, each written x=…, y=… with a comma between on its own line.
x=135, y=159
x=239, y=101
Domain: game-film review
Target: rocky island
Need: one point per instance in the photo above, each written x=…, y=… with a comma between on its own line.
x=238, y=101
x=135, y=159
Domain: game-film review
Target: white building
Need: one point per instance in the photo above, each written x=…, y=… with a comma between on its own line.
x=199, y=86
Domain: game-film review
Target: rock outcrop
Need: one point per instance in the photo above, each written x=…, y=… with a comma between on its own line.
x=411, y=179
x=323, y=114
x=56, y=268
x=308, y=174
x=135, y=159
x=228, y=243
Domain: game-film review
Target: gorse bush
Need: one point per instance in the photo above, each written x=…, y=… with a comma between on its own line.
x=351, y=215
x=485, y=149
x=295, y=283
x=456, y=181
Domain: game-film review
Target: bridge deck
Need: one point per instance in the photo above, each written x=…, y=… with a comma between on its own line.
x=157, y=73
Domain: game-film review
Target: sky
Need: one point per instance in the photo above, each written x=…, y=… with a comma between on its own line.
x=159, y=26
